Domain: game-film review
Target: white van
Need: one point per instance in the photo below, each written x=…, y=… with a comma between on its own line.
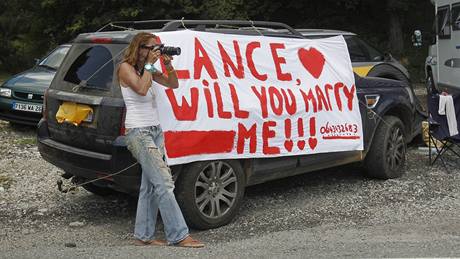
x=442, y=65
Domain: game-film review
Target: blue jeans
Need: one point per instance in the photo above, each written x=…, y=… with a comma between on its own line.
x=156, y=192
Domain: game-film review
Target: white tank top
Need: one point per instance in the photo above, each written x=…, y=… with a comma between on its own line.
x=141, y=111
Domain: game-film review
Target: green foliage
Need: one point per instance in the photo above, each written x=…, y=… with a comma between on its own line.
x=31, y=28
x=3, y=77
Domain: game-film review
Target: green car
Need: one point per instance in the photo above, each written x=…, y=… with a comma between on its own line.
x=21, y=96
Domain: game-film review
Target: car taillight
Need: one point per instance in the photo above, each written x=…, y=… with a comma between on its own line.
x=45, y=106
x=122, y=121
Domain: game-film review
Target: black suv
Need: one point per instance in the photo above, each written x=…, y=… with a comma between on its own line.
x=97, y=147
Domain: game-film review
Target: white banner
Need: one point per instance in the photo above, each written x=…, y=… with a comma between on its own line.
x=257, y=96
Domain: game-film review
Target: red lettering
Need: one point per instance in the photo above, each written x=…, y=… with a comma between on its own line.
x=242, y=114
x=202, y=60
x=278, y=61
x=249, y=50
x=266, y=134
x=291, y=105
x=262, y=99
x=321, y=99
x=300, y=143
x=337, y=87
x=307, y=98
x=275, y=94
x=243, y=134
x=328, y=88
x=300, y=126
x=288, y=143
x=227, y=61
x=287, y=128
x=349, y=94
x=220, y=106
x=207, y=96
x=313, y=126
x=184, y=112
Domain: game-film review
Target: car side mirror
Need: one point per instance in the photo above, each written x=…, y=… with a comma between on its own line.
x=417, y=38
x=37, y=61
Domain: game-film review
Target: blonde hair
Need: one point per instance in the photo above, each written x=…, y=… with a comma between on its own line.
x=130, y=55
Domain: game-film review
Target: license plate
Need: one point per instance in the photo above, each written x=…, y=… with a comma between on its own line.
x=74, y=113
x=27, y=107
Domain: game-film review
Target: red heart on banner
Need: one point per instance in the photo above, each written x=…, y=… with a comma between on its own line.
x=301, y=144
x=312, y=142
x=288, y=144
x=312, y=60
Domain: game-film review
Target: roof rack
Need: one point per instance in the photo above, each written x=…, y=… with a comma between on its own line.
x=135, y=25
x=262, y=27
x=258, y=26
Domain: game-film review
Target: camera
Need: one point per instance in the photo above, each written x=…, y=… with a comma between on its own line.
x=168, y=50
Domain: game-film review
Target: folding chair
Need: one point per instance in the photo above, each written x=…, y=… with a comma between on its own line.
x=440, y=136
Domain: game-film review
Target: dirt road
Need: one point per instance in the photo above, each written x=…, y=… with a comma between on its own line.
x=331, y=213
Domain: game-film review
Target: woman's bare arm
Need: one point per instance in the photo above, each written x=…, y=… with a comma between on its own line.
x=171, y=80
x=128, y=77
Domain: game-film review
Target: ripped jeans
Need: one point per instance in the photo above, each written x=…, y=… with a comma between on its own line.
x=156, y=192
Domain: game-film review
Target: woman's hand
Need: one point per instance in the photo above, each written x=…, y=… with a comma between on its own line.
x=153, y=56
x=171, y=80
x=167, y=60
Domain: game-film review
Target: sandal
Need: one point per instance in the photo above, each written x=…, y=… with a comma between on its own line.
x=189, y=242
x=155, y=242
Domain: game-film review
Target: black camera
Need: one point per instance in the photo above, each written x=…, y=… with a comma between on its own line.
x=168, y=50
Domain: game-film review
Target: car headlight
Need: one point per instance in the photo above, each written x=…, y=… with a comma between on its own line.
x=5, y=92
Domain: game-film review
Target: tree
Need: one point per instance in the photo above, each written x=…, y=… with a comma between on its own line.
x=31, y=28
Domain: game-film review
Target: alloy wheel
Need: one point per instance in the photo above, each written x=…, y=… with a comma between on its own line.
x=216, y=189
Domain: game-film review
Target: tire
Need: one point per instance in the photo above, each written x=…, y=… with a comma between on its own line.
x=98, y=190
x=387, y=155
x=210, y=192
x=389, y=72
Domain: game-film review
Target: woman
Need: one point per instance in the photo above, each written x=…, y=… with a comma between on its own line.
x=145, y=141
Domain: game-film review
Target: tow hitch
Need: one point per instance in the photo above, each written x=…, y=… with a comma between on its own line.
x=75, y=183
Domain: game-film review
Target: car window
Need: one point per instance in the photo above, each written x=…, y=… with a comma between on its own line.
x=357, y=52
x=373, y=53
x=54, y=59
x=443, y=22
x=456, y=17
x=94, y=67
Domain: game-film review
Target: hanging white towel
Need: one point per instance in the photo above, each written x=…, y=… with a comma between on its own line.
x=446, y=107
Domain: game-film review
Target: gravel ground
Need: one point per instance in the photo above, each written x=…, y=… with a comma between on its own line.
x=337, y=212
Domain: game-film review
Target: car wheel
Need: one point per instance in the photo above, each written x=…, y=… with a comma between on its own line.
x=210, y=192
x=389, y=72
x=387, y=154
x=98, y=190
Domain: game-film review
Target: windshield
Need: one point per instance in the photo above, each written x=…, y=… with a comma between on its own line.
x=54, y=59
x=456, y=17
